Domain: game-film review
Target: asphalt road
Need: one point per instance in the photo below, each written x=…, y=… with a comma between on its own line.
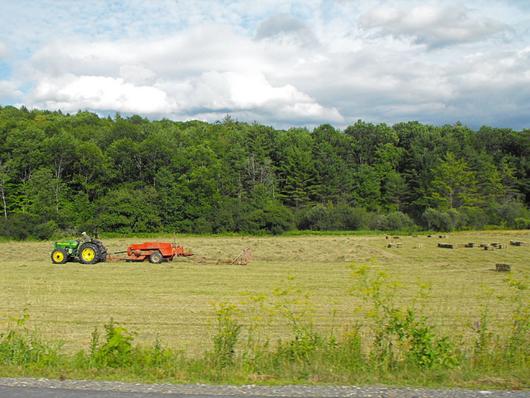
x=43, y=388
x=34, y=392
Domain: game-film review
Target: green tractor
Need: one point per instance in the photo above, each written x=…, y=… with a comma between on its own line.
x=86, y=250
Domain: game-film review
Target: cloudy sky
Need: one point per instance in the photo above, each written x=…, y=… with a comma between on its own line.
x=283, y=63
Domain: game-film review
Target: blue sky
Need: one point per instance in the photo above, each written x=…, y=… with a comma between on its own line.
x=285, y=63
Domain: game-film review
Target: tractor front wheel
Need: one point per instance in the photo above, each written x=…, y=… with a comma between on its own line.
x=155, y=258
x=88, y=253
x=59, y=256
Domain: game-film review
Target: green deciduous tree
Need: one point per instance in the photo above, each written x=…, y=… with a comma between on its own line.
x=132, y=174
x=128, y=210
x=453, y=185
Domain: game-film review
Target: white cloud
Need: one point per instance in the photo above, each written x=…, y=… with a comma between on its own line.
x=72, y=93
x=206, y=70
x=137, y=74
x=277, y=62
x=212, y=92
x=251, y=91
x=9, y=89
x=431, y=24
x=285, y=27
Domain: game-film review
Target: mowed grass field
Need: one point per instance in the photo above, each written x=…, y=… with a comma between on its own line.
x=175, y=301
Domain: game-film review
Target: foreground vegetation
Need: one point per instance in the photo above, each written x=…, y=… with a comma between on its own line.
x=322, y=309
x=60, y=173
x=400, y=346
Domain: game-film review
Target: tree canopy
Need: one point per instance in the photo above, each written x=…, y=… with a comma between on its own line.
x=73, y=172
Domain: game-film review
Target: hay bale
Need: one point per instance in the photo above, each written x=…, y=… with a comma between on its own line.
x=488, y=247
x=498, y=245
x=484, y=245
x=442, y=236
x=517, y=243
x=395, y=237
x=429, y=236
x=470, y=244
x=395, y=245
x=447, y=245
x=503, y=267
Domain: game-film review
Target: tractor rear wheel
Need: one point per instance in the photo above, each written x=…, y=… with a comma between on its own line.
x=155, y=258
x=88, y=253
x=102, y=252
x=59, y=256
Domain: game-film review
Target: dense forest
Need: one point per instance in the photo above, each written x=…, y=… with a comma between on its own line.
x=65, y=173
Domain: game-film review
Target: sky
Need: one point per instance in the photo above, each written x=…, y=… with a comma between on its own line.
x=281, y=63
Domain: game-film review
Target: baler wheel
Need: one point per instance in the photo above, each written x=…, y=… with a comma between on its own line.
x=155, y=258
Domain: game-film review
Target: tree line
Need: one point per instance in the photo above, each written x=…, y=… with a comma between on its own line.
x=65, y=173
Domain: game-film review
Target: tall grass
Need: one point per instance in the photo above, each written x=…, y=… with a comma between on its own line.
x=395, y=344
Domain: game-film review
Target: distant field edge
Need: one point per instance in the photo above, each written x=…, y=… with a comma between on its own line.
x=294, y=233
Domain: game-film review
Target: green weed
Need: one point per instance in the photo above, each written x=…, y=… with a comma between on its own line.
x=226, y=337
x=23, y=347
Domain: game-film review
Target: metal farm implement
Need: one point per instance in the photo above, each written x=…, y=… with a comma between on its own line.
x=90, y=251
x=155, y=252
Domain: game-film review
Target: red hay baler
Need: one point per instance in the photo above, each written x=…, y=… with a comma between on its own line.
x=155, y=252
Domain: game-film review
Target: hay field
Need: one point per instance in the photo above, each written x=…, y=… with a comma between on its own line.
x=175, y=300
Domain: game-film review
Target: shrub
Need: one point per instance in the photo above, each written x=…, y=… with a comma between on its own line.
x=201, y=226
x=273, y=218
x=419, y=345
x=116, y=350
x=509, y=212
x=391, y=222
x=349, y=350
x=344, y=217
x=128, y=210
x=314, y=218
x=398, y=220
x=333, y=218
x=23, y=226
x=17, y=226
x=276, y=218
x=474, y=217
x=22, y=347
x=302, y=347
x=45, y=230
x=423, y=348
x=441, y=220
x=522, y=223
x=227, y=334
